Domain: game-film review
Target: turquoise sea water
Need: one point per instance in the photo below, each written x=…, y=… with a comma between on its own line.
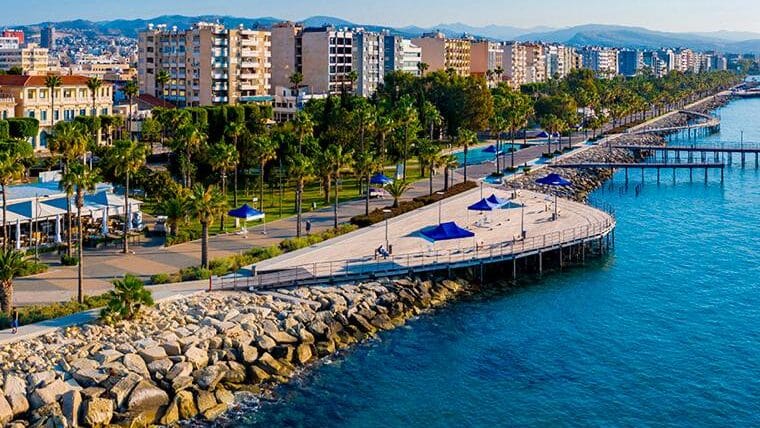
x=665, y=332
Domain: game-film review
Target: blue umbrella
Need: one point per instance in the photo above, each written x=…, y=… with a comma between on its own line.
x=446, y=231
x=482, y=205
x=554, y=180
x=380, y=179
x=542, y=134
x=495, y=200
x=246, y=212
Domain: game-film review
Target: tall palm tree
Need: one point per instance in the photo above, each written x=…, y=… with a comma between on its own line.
x=466, y=138
x=365, y=163
x=127, y=157
x=397, y=190
x=188, y=140
x=69, y=141
x=175, y=210
x=422, y=67
x=162, y=78
x=12, y=264
x=131, y=90
x=407, y=119
x=52, y=82
x=205, y=204
x=94, y=84
x=265, y=152
x=11, y=169
x=448, y=163
x=338, y=158
x=79, y=180
x=498, y=126
x=304, y=127
x=235, y=130
x=223, y=158
x=301, y=169
x=296, y=79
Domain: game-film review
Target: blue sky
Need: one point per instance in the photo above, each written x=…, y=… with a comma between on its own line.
x=669, y=15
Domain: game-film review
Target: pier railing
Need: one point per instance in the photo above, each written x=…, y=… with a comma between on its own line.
x=325, y=272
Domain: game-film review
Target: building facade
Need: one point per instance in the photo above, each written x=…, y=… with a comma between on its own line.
x=73, y=98
x=604, y=61
x=560, y=60
x=486, y=58
x=441, y=53
x=17, y=34
x=630, y=62
x=514, y=65
x=207, y=64
x=48, y=37
x=402, y=55
x=286, y=53
x=368, y=61
x=31, y=59
x=535, y=63
x=327, y=60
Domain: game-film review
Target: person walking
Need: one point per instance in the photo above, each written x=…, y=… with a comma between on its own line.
x=308, y=227
x=14, y=322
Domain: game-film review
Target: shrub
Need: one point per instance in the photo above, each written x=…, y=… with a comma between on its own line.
x=378, y=215
x=452, y=191
x=164, y=278
x=126, y=300
x=527, y=169
x=511, y=169
x=38, y=313
x=23, y=127
x=67, y=260
x=33, y=267
x=558, y=152
x=4, y=135
x=194, y=273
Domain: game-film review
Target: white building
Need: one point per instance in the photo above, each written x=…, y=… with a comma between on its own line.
x=368, y=61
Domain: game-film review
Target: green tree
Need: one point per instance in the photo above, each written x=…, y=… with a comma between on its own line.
x=224, y=158
x=366, y=163
x=265, y=151
x=396, y=190
x=131, y=90
x=234, y=131
x=296, y=79
x=188, y=139
x=301, y=169
x=205, y=204
x=162, y=78
x=69, y=141
x=52, y=82
x=338, y=159
x=175, y=209
x=126, y=300
x=12, y=264
x=127, y=157
x=94, y=84
x=12, y=168
x=466, y=138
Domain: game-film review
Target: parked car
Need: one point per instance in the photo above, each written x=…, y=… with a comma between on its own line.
x=375, y=193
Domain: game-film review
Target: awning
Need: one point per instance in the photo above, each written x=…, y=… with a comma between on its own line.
x=34, y=209
x=482, y=205
x=247, y=213
x=447, y=231
x=492, y=149
x=495, y=200
x=553, y=180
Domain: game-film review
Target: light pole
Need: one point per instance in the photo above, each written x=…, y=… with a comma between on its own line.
x=440, y=206
x=522, y=219
x=387, y=244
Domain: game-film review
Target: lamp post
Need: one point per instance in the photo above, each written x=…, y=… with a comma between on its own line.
x=440, y=206
x=385, y=214
x=522, y=219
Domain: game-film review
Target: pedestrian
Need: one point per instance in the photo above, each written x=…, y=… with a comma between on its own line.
x=308, y=227
x=14, y=322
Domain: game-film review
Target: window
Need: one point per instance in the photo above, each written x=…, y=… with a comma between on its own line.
x=30, y=94
x=43, y=94
x=83, y=112
x=104, y=111
x=56, y=116
x=43, y=115
x=30, y=113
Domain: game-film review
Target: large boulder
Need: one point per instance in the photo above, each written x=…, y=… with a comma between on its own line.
x=153, y=354
x=205, y=400
x=146, y=397
x=197, y=357
x=304, y=353
x=97, y=412
x=48, y=394
x=14, y=385
x=214, y=412
x=71, y=404
x=249, y=354
x=136, y=364
x=6, y=411
x=186, y=405
x=183, y=368
x=123, y=387
x=209, y=377
x=19, y=403
x=90, y=377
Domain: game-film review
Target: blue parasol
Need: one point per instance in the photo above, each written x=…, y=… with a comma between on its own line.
x=557, y=181
x=246, y=212
x=380, y=179
x=446, y=231
x=495, y=200
x=492, y=149
x=482, y=205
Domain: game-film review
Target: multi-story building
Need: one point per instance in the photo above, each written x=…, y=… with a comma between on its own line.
x=604, y=61
x=17, y=34
x=288, y=101
x=72, y=98
x=47, y=37
x=9, y=43
x=686, y=60
x=514, y=64
x=441, y=53
x=535, y=63
x=560, y=60
x=327, y=59
x=207, y=64
x=368, y=61
x=485, y=57
x=402, y=55
x=31, y=59
x=286, y=53
x=630, y=62
x=7, y=106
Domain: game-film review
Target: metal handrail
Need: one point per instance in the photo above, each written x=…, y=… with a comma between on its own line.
x=423, y=261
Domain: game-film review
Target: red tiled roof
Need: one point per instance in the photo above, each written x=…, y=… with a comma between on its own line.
x=13, y=80
x=152, y=101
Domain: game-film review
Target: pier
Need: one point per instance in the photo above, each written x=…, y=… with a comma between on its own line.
x=708, y=125
x=499, y=246
x=723, y=153
x=658, y=166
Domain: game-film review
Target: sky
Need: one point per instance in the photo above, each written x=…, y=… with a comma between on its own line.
x=665, y=15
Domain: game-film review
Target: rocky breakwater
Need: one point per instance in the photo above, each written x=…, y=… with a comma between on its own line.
x=189, y=358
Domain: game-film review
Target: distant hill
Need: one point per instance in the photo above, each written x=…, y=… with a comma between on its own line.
x=592, y=34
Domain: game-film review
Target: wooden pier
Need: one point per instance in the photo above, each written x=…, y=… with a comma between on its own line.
x=658, y=166
x=723, y=153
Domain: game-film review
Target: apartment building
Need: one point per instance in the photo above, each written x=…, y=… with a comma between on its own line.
x=9, y=43
x=72, y=99
x=327, y=60
x=535, y=63
x=441, y=53
x=288, y=101
x=486, y=56
x=287, y=52
x=17, y=34
x=514, y=64
x=560, y=60
x=7, y=106
x=31, y=59
x=604, y=61
x=402, y=55
x=207, y=64
x=630, y=62
x=368, y=61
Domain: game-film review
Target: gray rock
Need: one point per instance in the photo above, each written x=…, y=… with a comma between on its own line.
x=41, y=378
x=265, y=342
x=107, y=356
x=205, y=400
x=282, y=337
x=135, y=363
x=196, y=356
x=172, y=348
x=48, y=394
x=90, y=377
x=97, y=412
x=214, y=412
x=71, y=404
x=19, y=403
x=152, y=354
x=209, y=377
x=181, y=383
x=249, y=354
x=146, y=396
x=121, y=389
x=6, y=411
x=14, y=385
x=235, y=373
x=160, y=366
x=85, y=364
x=180, y=369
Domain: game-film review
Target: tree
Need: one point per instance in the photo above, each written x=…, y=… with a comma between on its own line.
x=303, y=127
x=175, y=210
x=79, y=180
x=11, y=169
x=151, y=131
x=188, y=140
x=337, y=158
x=94, y=84
x=300, y=168
x=52, y=82
x=466, y=138
x=427, y=152
x=223, y=157
x=365, y=163
x=397, y=190
x=69, y=141
x=205, y=204
x=12, y=264
x=126, y=299
x=408, y=122
x=162, y=78
x=422, y=68
x=131, y=90
x=127, y=157
x=265, y=151
x=296, y=79
x=498, y=126
x=235, y=130
x=448, y=163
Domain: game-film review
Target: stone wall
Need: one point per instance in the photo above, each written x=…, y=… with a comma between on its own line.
x=187, y=358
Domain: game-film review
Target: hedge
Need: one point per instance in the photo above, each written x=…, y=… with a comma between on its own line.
x=23, y=127
x=4, y=135
x=38, y=313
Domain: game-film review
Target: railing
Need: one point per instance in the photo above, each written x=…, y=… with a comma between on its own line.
x=373, y=267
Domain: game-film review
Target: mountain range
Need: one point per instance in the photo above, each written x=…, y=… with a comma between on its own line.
x=591, y=34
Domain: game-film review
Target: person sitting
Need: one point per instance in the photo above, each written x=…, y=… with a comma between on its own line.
x=384, y=253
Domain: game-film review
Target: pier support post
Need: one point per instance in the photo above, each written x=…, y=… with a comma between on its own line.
x=705, y=175
x=514, y=269
x=540, y=263
x=658, y=175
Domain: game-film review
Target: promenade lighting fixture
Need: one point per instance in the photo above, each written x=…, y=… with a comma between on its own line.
x=440, y=206
x=385, y=214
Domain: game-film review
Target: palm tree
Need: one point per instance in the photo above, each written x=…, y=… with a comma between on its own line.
x=70, y=142
x=384, y=125
x=205, y=204
x=52, y=82
x=223, y=158
x=465, y=138
x=235, y=130
x=11, y=169
x=127, y=298
x=131, y=90
x=337, y=158
x=188, y=139
x=265, y=152
x=94, y=84
x=303, y=126
x=175, y=210
x=127, y=157
x=498, y=126
x=365, y=164
x=406, y=119
x=296, y=79
x=300, y=168
x=79, y=180
x=162, y=78
x=397, y=190
x=12, y=264
x=422, y=67
x=448, y=163
x=429, y=152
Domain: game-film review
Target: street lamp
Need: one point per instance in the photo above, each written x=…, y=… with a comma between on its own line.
x=440, y=205
x=385, y=214
x=522, y=219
